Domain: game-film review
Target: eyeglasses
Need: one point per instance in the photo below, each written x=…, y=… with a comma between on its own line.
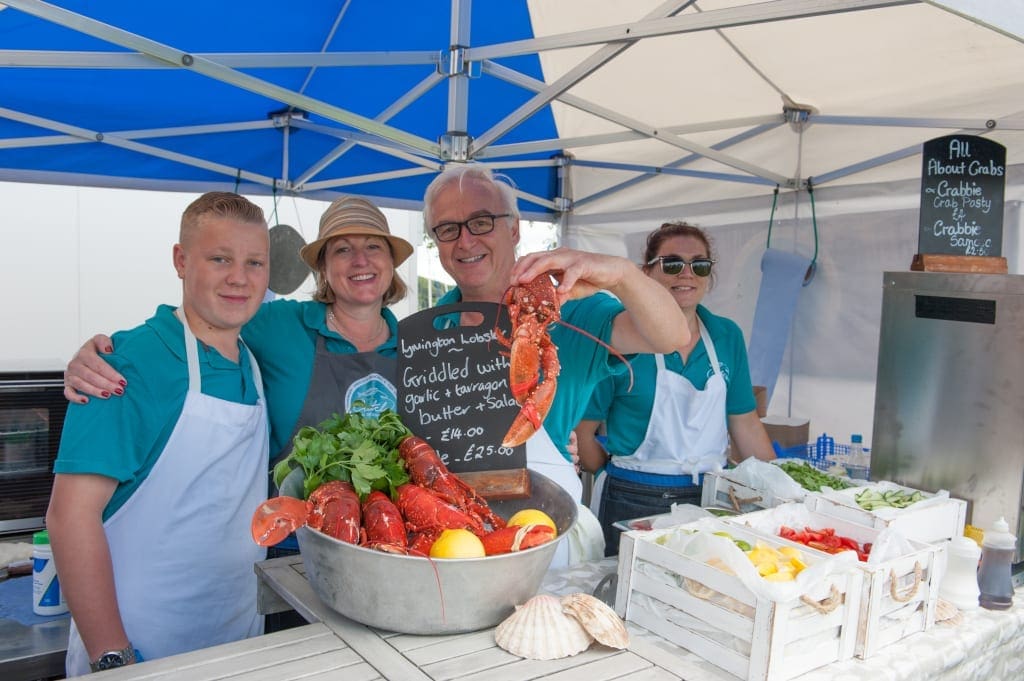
x=481, y=224
x=673, y=265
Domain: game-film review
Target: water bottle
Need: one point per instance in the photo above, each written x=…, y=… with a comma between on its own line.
x=995, y=580
x=858, y=461
x=47, y=598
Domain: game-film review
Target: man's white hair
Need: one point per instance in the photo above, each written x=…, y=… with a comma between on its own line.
x=459, y=172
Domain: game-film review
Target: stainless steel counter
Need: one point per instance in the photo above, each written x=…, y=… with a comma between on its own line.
x=32, y=652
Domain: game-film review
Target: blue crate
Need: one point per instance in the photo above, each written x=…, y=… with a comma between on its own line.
x=808, y=453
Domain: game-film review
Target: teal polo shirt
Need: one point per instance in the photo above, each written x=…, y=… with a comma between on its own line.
x=626, y=413
x=283, y=337
x=121, y=438
x=584, y=362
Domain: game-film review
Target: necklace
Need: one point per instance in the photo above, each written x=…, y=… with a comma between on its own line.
x=333, y=321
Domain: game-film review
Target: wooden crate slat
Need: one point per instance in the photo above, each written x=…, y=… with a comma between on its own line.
x=721, y=582
x=710, y=613
x=728, y=659
x=773, y=642
x=874, y=631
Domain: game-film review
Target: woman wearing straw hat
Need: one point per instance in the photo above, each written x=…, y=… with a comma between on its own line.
x=317, y=356
x=322, y=356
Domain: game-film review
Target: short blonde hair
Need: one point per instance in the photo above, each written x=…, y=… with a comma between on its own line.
x=220, y=204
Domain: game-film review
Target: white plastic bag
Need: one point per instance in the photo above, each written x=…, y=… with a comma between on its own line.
x=586, y=538
x=762, y=475
x=699, y=542
x=680, y=514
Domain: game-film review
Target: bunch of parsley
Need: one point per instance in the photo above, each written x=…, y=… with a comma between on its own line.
x=354, y=448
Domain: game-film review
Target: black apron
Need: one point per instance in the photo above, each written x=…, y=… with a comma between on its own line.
x=338, y=380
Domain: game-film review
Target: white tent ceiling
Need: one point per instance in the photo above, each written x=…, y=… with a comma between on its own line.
x=740, y=98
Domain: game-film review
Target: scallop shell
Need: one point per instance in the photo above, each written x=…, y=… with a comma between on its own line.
x=597, y=618
x=539, y=630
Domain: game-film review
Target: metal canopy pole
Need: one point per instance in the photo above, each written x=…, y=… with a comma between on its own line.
x=454, y=143
x=86, y=135
x=649, y=131
x=384, y=116
x=661, y=22
x=598, y=139
x=210, y=69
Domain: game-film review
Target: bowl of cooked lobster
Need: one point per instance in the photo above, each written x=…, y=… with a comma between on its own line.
x=369, y=556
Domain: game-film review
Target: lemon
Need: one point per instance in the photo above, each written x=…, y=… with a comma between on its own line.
x=780, y=577
x=531, y=516
x=458, y=543
x=790, y=552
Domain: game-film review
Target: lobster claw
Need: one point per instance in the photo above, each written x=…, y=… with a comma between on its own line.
x=516, y=538
x=276, y=518
x=533, y=358
x=535, y=405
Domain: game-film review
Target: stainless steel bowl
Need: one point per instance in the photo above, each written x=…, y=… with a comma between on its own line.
x=419, y=596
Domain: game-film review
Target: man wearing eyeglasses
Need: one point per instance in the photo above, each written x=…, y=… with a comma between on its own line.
x=474, y=221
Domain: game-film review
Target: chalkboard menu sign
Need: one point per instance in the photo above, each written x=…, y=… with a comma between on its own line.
x=963, y=178
x=453, y=386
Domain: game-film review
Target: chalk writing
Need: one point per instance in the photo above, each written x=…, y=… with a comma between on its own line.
x=453, y=387
x=962, y=186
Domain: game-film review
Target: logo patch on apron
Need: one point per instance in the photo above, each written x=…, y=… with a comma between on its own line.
x=374, y=392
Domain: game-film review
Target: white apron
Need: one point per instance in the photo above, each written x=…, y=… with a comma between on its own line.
x=181, y=547
x=687, y=433
x=543, y=457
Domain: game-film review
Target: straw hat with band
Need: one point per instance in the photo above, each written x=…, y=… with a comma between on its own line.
x=353, y=216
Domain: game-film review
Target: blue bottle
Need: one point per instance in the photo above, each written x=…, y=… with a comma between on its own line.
x=824, y=447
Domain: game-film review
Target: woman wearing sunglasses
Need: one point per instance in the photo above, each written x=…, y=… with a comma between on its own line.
x=675, y=421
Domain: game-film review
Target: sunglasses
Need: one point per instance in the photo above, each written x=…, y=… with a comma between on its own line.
x=673, y=265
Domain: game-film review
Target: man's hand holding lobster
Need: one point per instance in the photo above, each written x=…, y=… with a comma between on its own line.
x=652, y=321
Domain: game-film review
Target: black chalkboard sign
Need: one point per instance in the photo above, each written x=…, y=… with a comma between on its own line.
x=453, y=386
x=963, y=179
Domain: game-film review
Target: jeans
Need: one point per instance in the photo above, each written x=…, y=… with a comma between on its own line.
x=626, y=500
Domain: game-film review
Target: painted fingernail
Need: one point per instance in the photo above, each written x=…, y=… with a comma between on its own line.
x=105, y=394
x=118, y=391
x=123, y=383
x=108, y=349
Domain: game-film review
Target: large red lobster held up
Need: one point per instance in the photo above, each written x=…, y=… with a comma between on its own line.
x=533, y=307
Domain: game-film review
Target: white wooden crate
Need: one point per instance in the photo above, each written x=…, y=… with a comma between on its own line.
x=899, y=596
x=935, y=522
x=712, y=614
x=718, y=489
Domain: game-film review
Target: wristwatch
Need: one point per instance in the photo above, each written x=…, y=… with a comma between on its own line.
x=113, y=658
